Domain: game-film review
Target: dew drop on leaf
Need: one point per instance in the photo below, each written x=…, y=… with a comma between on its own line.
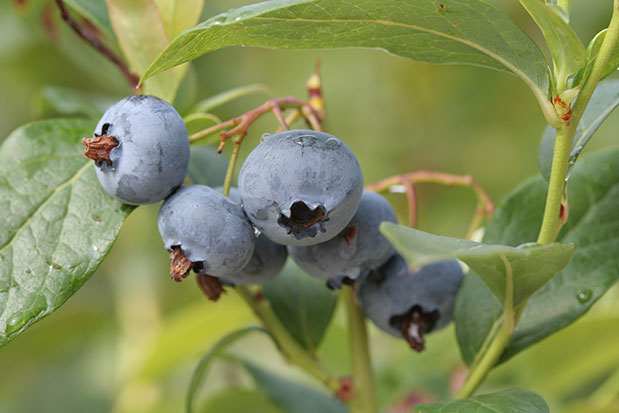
x=583, y=296
x=19, y=319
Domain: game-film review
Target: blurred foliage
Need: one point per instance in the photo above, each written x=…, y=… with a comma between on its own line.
x=130, y=338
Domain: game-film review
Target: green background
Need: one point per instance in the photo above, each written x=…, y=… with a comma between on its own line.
x=129, y=339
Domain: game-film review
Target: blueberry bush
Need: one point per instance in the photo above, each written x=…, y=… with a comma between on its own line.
x=318, y=259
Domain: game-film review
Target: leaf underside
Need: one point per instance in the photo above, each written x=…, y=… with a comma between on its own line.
x=57, y=223
x=503, y=268
x=593, y=227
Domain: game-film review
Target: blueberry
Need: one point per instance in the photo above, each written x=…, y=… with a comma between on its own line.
x=358, y=247
x=301, y=187
x=141, y=150
x=212, y=232
x=265, y=263
x=409, y=304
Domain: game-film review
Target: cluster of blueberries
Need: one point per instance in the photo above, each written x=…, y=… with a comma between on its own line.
x=300, y=193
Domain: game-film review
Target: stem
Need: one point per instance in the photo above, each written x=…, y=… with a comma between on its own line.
x=485, y=207
x=230, y=172
x=478, y=372
x=241, y=124
x=289, y=348
x=365, y=393
x=92, y=39
x=552, y=222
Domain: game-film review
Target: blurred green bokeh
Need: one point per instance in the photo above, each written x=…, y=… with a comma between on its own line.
x=129, y=339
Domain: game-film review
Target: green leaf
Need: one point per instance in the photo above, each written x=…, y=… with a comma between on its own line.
x=202, y=367
x=142, y=36
x=94, y=10
x=222, y=98
x=504, y=269
x=593, y=227
x=509, y=401
x=566, y=49
x=302, y=303
x=604, y=100
x=64, y=101
x=206, y=166
x=456, y=31
x=178, y=15
x=591, y=54
x=239, y=400
x=58, y=223
x=290, y=396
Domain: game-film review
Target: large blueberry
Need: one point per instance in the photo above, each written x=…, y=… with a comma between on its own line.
x=151, y=154
x=408, y=303
x=357, y=248
x=213, y=232
x=265, y=263
x=301, y=187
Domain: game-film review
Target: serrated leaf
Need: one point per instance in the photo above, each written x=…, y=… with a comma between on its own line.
x=222, y=98
x=603, y=102
x=290, y=396
x=239, y=400
x=57, y=224
x=142, y=36
x=456, y=31
x=178, y=15
x=593, y=227
x=206, y=166
x=302, y=303
x=503, y=268
x=70, y=102
x=202, y=367
x=566, y=49
x=95, y=11
x=509, y=401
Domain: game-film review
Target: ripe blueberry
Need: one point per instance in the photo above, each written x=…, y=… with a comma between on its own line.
x=210, y=230
x=301, y=187
x=409, y=304
x=265, y=263
x=141, y=150
x=357, y=248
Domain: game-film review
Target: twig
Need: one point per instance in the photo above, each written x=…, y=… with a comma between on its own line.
x=241, y=124
x=92, y=39
x=485, y=207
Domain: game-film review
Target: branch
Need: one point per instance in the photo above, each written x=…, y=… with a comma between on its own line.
x=91, y=38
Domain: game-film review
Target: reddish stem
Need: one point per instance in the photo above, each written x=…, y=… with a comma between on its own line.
x=92, y=38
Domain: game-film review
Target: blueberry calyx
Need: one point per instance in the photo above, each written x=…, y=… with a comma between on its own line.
x=302, y=221
x=211, y=286
x=414, y=324
x=98, y=148
x=180, y=266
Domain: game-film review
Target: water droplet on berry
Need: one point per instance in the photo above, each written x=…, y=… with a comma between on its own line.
x=333, y=143
x=304, y=140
